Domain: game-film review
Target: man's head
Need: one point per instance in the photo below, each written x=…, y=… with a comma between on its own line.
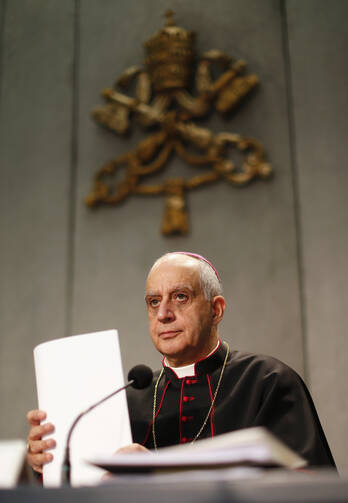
x=185, y=305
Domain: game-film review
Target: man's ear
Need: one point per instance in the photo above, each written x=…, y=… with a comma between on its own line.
x=218, y=305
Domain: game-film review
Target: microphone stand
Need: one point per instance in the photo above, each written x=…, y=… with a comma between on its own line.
x=66, y=464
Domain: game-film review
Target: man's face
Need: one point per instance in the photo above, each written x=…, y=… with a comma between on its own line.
x=180, y=317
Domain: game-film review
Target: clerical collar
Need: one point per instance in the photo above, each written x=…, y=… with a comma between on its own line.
x=187, y=370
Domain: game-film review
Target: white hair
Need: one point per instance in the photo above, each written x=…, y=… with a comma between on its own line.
x=210, y=283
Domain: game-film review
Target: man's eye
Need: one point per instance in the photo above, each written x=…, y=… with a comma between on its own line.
x=154, y=302
x=181, y=296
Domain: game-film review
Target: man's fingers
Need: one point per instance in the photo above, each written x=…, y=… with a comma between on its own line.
x=39, y=459
x=38, y=446
x=34, y=417
x=37, y=432
x=36, y=456
x=37, y=468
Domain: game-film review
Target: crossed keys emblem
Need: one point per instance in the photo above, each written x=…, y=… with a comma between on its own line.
x=162, y=103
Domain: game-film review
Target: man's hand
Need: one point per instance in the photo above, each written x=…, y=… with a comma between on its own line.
x=36, y=455
x=128, y=449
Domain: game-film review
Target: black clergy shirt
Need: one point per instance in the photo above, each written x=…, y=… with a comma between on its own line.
x=255, y=391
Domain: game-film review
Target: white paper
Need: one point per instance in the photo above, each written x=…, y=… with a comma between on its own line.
x=71, y=374
x=251, y=445
x=159, y=460
x=12, y=454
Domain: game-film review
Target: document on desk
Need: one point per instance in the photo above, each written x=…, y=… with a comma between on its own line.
x=247, y=447
x=72, y=374
x=12, y=456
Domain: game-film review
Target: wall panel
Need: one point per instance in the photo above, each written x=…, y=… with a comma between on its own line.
x=249, y=233
x=318, y=47
x=35, y=156
x=2, y=18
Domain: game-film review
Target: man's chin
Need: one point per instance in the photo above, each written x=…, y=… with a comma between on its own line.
x=171, y=346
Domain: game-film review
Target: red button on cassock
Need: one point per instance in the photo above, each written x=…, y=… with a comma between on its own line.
x=188, y=398
x=184, y=419
x=191, y=381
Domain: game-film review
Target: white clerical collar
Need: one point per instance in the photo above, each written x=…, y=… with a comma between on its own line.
x=187, y=370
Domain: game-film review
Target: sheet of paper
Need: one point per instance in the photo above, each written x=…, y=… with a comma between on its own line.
x=12, y=453
x=71, y=374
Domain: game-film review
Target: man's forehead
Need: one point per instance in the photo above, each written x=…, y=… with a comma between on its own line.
x=174, y=274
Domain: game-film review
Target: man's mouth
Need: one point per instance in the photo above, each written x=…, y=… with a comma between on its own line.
x=168, y=334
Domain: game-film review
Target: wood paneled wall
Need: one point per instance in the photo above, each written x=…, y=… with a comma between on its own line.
x=280, y=246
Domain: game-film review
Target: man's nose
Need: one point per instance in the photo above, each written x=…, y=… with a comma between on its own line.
x=165, y=313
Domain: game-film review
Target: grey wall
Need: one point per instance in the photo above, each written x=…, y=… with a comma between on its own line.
x=280, y=246
x=318, y=45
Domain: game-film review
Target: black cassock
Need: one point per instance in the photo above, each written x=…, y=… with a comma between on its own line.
x=255, y=391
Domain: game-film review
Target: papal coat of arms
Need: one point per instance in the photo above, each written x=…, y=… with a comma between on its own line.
x=163, y=104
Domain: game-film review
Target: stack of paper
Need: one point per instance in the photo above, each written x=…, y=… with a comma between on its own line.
x=251, y=446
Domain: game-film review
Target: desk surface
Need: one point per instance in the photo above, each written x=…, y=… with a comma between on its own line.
x=213, y=487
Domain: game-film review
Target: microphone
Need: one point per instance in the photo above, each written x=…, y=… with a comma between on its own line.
x=139, y=377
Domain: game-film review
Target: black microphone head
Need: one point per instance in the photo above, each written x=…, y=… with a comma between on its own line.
x=141, y=375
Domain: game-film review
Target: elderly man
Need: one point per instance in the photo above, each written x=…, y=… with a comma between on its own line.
x=204, y=388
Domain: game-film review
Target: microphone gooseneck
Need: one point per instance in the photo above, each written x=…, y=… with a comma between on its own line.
x=139, y=377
